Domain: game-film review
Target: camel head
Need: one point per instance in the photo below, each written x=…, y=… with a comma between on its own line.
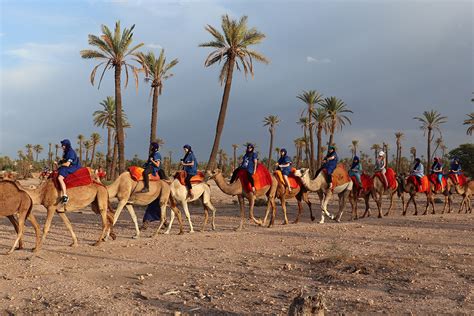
x=212, y=174
x=301, y=172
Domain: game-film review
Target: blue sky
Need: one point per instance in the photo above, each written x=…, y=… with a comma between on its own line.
x=388, y=60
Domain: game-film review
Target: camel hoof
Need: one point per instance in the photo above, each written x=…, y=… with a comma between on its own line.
x=238, y=229
x=181, y=233
x=136, y=237
x=74, y=244
x=191, y=231
x=386, y=214
x=313, y=218
x=284, y=223
x=213, y=228
x=113, y=236
x=380, y=216
x=96, y=243
x=166, y=233
x=295, y=222
x=321, y=222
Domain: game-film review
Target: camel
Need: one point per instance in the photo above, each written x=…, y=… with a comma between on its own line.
x=93, y=194
x=13, y=200
x=320, y=183
x=237, y=189
x=465, y=191
x=377, y=192
x=409, y=187
x=127, y=192
x=281, y=192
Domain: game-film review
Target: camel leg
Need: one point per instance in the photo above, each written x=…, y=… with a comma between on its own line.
x=283, y=206
x=414, y=203
x=162, y=217
x=120, y=207
x=450, y=203
x=267, y=212
x=446, y=202
x=353, y=201
x=242, y=212
x=15, y=225
x=308, y=202
x=367, y=207
x=172, y=216
x=47, y=224
x=300, y=210
x=251, y=206
x=133, y=215
x=21, y=227
x=37, y=229
x=211, y=207
x=105, y=226
x=206, y=217
x=379, y=204
x=391, y=203
x=69, y=227
x=324, y=206
x=188, y=216
x=342, y=204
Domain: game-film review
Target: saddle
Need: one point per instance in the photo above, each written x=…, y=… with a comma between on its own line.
x=425, y=183
x=137, y=174
x=261, y=178
x=339, y=176
x=80, y=177
x=292, y=179
x=181, y=176
x=434, y=179
x=462, y=179
x=367, y=182
x=391, y=178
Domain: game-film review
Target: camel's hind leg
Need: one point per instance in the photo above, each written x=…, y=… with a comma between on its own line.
x=47, y=224
x=242, y=213
x=15, y=225
x=21, y=227
x=206, y=201
x=69, y=227
x=391, y=203
x=133, y=215
x=342, y=204
x=188, y=216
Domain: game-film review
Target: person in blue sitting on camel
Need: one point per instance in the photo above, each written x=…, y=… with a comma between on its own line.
x=190, y=165
x=284, y=165
x=152, y=166
x=418, y=171
x=249, y=163
x=330, y=164
x=455, y=168
x=356, y=170
x=437, y=170
x=67, y=165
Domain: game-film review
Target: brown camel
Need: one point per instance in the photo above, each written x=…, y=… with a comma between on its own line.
x=281, y=192
x=14, y=200
x=377, y=192
x=80, y=197
x=127, y=192
x=465, y=191
x=410, y=188
x=320, y=184
x=236, y=189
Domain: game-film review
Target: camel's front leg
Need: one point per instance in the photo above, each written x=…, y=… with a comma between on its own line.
x=300, y=210
x=188, y=216
x=379, y=204
x=206, y=218
x=391, y=203
x=324, y=206
x=267, y=212
x=15, y=225
x=251, y=206
x=213, y=210
x=105, y=226
x=414, y=203
x=37, y=229
x=242, y=212
x=47, y=224
x=133, y=215
x=308, y=202
x=120, y=207
x=69, y=227
x=283, y=206
x=342, y=204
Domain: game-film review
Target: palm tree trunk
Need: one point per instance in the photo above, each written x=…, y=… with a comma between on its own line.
x=92, y=157
x=113, y=167
x=318, y=136
x=154, y=115
x=80, y=152
x=222, y=112
x=234, y=163
x=108, y=159
x=306, y=146
x=428, y=157
x=50, y=156
x=118, y=120
x=311, y=142
x=271, y=148
x=331, y=136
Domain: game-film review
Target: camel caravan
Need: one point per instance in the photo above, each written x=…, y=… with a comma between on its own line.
x=72, y=187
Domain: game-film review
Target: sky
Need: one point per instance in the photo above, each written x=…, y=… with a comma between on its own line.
x=388, y=60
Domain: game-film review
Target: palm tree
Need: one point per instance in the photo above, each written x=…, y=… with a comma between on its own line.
x=234, y=163
x=469, y=121
x=95, y=140
x=114, y=51
x=231, y=48
x=29, y=151
x=336, y=109
x=439, y=142
x=50, y=155
x=159, y=141
x=354, y=145
x=385, y=149
x=398, y=137
x=105, y=118
x=157, y=71
x=320, y=117
x=100, y=157
x=431, y=120
x=271, y=121
x=87, y=145
x=310, y=98
x=413, y=152
x=37, y=149
x=376, y=149
x=304, y=125
x=170, y=154
x=80, y=141
x=56, y=147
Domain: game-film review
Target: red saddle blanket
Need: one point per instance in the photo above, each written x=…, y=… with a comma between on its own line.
x=261, y=178
x=137, y=174
x=339, y=176
x=462, y=179
x=181, y=175
x=367, y=182
x=425, y=183
x=79, y=178
x=292, y=179
x=391, y=178
x=434, y=179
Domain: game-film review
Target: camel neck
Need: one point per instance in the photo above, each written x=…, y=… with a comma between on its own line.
x=113, y=188
x=315, y=184
x=231, y=189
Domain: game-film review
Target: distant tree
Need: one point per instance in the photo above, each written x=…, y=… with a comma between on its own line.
x=398, y=137
x=320, y=116
x=354, y=145
x=94, y=140
x=37, y=149
x=376, y=149
x=80, y=141
x=29, y=151
x=304, y=123
x=465, y=152
x=87, y=145
x=470, y=122
x=271, y=121
x=413, y=153
x=105, y=118
x=336, y=109
x=56, y=148
x=234, y=161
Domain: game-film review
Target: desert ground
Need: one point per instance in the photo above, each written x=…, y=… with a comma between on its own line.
x=397, y=265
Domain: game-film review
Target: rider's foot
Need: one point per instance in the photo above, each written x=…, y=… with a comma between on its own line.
x=190, y=195
x=145, y=190
x=64, y=199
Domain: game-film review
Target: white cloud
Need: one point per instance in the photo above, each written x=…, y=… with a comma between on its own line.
x=38, y=52
x=310, y=59
x=154, y=46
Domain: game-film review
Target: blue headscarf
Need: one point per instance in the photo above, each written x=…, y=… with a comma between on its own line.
x=283, y=150
x=66, y=143
x=155, y=146
x=354, y=163
x=188, y=147
x=249, y=145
